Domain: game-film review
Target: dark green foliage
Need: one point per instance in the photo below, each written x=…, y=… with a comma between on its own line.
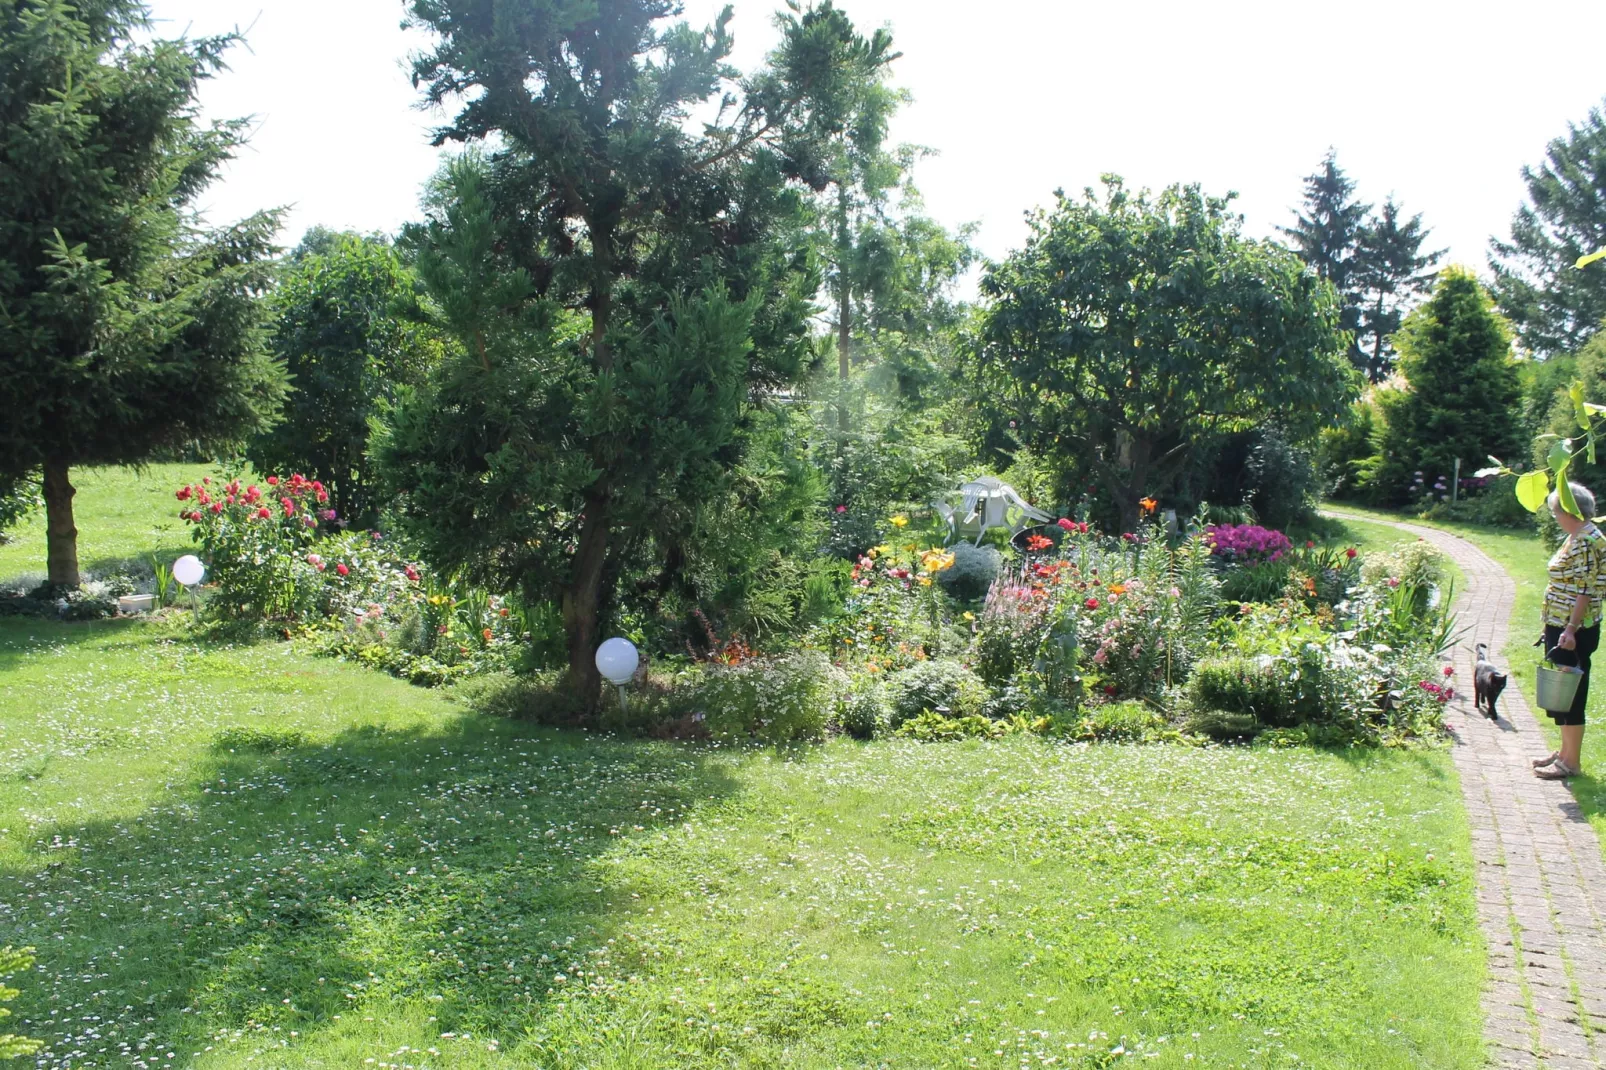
x=1129, y=327
x=944, y=687
x=1345, y=449
x=1554, y=306
x=1326, y=234
x=19, y=496
x=1588, y=366
x=862, y=713
x=125, y=331
x=623, y=283
x=973, y=571
x=1391, y=270
x=350, y=330
x=1283, y=485
x=1464, y=399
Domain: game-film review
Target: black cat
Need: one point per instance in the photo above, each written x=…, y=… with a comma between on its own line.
x=1486, y=684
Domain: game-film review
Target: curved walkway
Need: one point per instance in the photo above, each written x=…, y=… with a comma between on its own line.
x=1541, y=881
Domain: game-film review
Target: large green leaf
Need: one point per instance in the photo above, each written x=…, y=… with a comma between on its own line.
x=1532, y=490
x=1580, y=410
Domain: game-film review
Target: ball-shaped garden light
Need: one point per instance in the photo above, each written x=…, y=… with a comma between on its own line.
x=188, y=570
x=617, y=661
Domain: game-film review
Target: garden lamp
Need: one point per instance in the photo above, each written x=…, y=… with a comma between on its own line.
x=189, y=571
x=616, y=661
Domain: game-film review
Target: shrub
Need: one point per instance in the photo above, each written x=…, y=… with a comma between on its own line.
x=943, y=687
x=19, y=496
x=1261, y=582
x=1416, y=564
x=1283, y=480
x=1246, y=544
x=1121, y=722
x=1496, y=505
x=257, y=542
x=972, y=573
x=777, y=700
x=863, y=713
x=931, y=727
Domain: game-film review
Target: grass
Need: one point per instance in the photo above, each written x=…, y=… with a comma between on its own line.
x=122, y=514
x=244, y=857
x=1524, y=557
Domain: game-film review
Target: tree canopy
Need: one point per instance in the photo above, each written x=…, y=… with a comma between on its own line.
x=349, y=326
x=1129, y=326
x=1555, y=307
x=623, y=286
x=124, y=328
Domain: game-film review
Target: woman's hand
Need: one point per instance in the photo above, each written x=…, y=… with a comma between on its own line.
x=1568, y=640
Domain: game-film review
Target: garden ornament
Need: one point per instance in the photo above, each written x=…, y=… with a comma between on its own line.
x=189, y=571
x=616, y=661
x=984, y=504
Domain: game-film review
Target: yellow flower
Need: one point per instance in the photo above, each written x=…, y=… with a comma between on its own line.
x=925, y=581
x=970, y=616
x=879, y=549
x=900, y=521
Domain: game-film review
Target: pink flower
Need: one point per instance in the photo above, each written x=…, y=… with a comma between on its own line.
x=328, y=514
x=314, y=560
x=1449, y=670
x=273, y=481
x=1067, y=525
x=309, y=521
x=412, y=573
x=1100, y=656
x=217, y=507
x=342, y=569
x=841, y=508
x=1393, y=581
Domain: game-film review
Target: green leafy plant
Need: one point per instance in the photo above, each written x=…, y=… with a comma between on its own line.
x=14, y=960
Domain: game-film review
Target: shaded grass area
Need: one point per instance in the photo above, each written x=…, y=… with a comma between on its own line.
x=1524, y=557
x=122, y=515
x=246, y=857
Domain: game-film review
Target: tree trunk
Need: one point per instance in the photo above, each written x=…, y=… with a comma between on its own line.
x=844, y=299
x=61, y=537
x=582, y=602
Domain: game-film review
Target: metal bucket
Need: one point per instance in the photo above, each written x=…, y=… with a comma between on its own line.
x=1557, y=686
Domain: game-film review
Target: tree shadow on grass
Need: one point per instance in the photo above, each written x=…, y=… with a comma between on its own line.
x=288, y=881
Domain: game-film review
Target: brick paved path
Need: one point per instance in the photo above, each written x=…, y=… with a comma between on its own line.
x=1541, y=882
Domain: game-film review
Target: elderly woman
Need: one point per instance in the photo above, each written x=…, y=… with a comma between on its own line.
x=1572, y=613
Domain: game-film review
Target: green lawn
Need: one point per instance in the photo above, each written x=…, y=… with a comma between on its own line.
x=246, y=857
x=1524, y=557
x=122, y=515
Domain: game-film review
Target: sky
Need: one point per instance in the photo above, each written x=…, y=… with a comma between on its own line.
x=1438, y=104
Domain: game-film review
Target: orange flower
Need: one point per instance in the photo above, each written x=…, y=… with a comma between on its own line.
x=1149, y=505
x=1118, y=588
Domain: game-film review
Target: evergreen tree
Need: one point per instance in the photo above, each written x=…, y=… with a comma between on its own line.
x=1326, y=234
x=350, y=328
x=1554, y=306
x=1391, y=269
x=623, y=283
x=124, y=330
x=1464, y=401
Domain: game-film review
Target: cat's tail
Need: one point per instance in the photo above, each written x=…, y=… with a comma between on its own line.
x=1483, y=651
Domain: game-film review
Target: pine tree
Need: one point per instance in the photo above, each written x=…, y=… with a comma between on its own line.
x=1326, y=233
x=1465, y=400
x=124, y=329
x=1555, y=306
x=1391, y=269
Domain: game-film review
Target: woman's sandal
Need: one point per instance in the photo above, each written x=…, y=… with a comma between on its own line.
x=1556, y=770
x=1540, y=763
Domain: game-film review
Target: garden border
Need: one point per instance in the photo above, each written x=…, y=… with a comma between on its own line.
x=1541, y=879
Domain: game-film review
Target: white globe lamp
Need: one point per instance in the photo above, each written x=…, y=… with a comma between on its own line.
x=188, y=570
x=617, y=660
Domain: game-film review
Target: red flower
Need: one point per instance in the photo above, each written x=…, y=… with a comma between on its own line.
x=207, y=480
x=273, y=481
x=486, y=635
x=1067, y=525
x=412, y=573
x=1091, y=603
x=183, y=494
x=1350, y=553
x=342, y=569
x=1449, y=670
x=217, y=507
x=263, y=513
x=1309, y=545
x=252, y=495
x=289, y=506
x=1109, y=689
x=1038, y=542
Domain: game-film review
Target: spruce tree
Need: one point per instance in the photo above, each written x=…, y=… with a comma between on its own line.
x=1326, y=234
x=124, y=329
x=1465, y=399
x=1555, y=306
x=1391, y=269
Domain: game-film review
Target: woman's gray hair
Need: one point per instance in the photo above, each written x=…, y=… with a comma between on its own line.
x=1581, y=495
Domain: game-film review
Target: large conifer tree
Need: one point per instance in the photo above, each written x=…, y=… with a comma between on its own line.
x=623, y=282
x=1391, y=269
x=123, y=328
x=1326, y=234
x=1555, y=307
